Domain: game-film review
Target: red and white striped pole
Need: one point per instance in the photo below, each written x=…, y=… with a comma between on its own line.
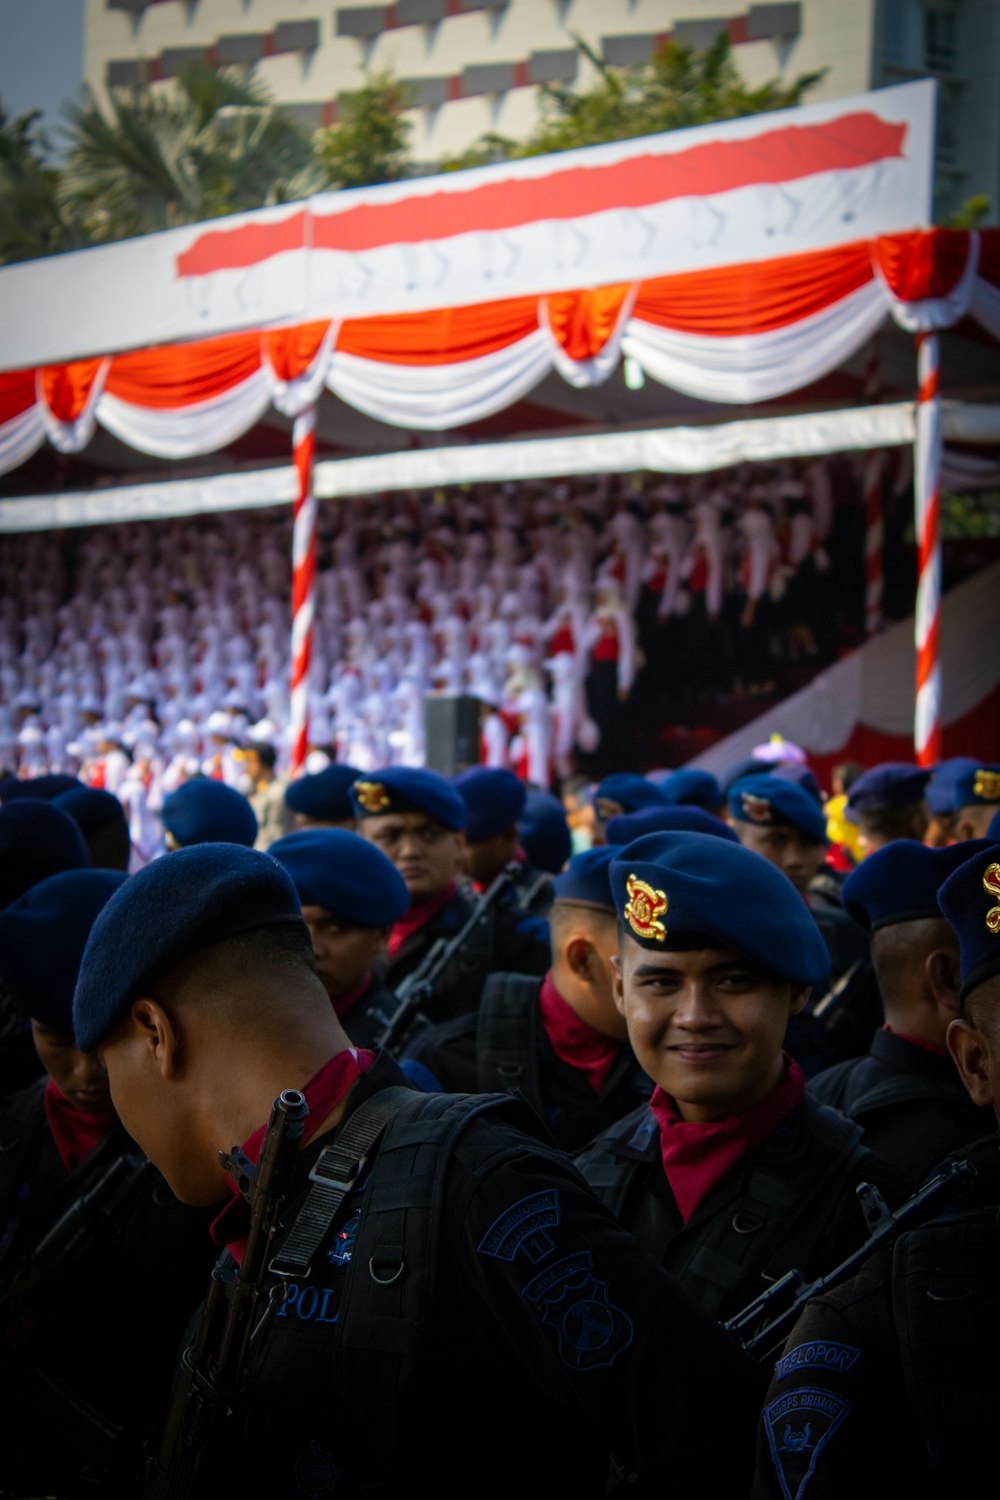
x=927, y=489
x=874, y=467
x=303, y=583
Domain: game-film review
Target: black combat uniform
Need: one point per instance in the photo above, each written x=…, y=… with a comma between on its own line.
x=790, y=1203
x=889, y=1383
x=487, y=1333
x=909, y=1100
x=366, y=1019
x=89, y=1354
x=505, y=1046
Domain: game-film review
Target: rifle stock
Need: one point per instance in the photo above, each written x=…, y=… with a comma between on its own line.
x=207, y=1383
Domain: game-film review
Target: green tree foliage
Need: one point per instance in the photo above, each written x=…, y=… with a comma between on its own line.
x=972, y=215
x=679, y=86
x=215, y=144
x=32, y=222
x=370, y=141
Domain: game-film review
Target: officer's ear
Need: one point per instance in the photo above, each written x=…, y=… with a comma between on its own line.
x=617, y=987
x=800, y=994
x=944, y=978
x=970, y=1050
x=154, y=1028
x=579, y=956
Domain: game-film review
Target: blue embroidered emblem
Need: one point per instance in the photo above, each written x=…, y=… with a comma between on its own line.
x=524, y=1226
x=821, y=1354
x=315, y=1472
x=343, y=1243
x=799, y=1425
x=591, y=1329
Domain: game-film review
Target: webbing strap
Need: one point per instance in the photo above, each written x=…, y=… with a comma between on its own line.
x=335, y=1175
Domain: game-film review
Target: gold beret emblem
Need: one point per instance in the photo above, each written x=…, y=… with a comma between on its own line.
x=756, y=809
x=991, y=883
x=373, y=796
x=987, y=785
x=643, y=908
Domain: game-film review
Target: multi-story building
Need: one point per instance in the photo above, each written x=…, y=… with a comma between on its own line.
x=475, y=66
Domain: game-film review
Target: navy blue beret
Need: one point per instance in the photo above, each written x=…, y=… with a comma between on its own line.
x=344, y=874
x=692, y=788
x=404, y=789
x=494, y=800
x=42, y=938
x=669, y=887
x=90, y=807
x=748, y=766
x=44, y=788
x=940, y=790
x=630, y=826
x=970, y=899
x=976, y=784
x=325, y=795
x=36, y=840
x=893, y=784
x=625, y=791
x=900, y=881
x=585, y=879
x=544, y=832
x=202, y=811
x=803, y=776
x=769, y=802
x=167, y=910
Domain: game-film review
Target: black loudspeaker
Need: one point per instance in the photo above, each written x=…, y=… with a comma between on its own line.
x=451, y=733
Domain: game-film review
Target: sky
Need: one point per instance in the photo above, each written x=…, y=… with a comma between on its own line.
x=41, y=56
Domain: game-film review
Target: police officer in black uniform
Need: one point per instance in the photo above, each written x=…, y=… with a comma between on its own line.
x=890, y=1380
x=467, y=1315
x=560, y=1040
x=732, y=1175
x=351, y=895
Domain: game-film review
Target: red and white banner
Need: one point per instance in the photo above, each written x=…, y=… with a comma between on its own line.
x=740, y=191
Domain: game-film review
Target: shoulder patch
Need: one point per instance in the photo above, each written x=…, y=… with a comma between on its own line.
x=821, y=1354
x=799, y=1425
x=524, y=1226
x=591, y=1330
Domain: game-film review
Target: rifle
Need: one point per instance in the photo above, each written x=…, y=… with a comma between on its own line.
x=206, y=1387
x=884, y=1227
x=416, y=989
x=60, y=1245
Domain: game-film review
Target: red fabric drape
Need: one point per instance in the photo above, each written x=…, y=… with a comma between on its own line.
x=67, y=387
x=441, y=337
x=176, y=375
x=925, y=263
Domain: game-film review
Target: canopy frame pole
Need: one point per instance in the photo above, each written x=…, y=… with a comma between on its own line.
x=303, y=583
x=927, y=496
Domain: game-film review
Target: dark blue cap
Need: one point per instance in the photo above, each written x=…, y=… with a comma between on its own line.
x=209, y=812
x=976, y=785
x=900, y=882
x=42, y=938
x=344, y=874
x=625, y=791
x=406, y=789
x=585, y=880
x=748, y=766
x=970, y=899
x=630, y=826
x=671, y=887
x=91, y=807
x=169, y=909
x=767, y=802
x=44, y=788
x=940, y=791
x=803, y=776
x=689, y=787
x=494, y=800
x=544, y=832
x=36, y=840
x=893, y=784
x=325, y=795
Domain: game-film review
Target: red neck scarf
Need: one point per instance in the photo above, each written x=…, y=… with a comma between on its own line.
x=323, y=1092
x=698, y=1154
x=343, y=1003
x=418, y=916
x=75, y=1133
x=576, y=1043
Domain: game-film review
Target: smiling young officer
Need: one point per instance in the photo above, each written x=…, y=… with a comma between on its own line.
x=732, y=1175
